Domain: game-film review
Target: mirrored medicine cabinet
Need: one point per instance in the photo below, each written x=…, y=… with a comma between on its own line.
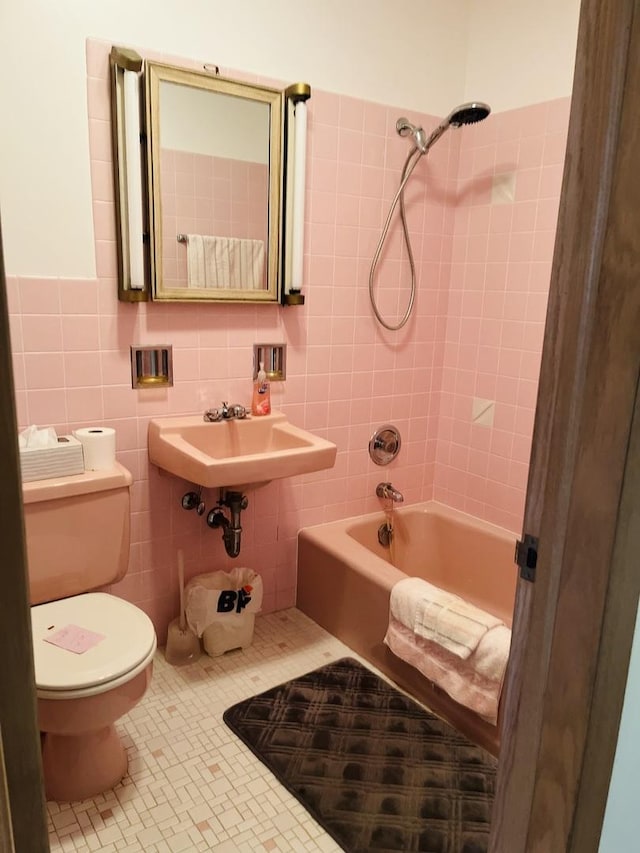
x=205, y=173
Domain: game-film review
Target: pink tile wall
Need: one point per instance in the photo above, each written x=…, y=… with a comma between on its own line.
x=483, y=272
x=502, y=253
x=345, y=376
x=209, y=195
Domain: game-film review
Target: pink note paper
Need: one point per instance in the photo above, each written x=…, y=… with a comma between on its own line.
x=74, y=639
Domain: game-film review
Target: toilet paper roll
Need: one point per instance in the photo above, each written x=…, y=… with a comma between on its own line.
x=98, y=447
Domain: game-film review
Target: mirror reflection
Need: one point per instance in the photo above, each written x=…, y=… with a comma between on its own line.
x=215, y=175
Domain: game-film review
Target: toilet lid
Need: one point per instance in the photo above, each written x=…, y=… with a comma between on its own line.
x=129, y=637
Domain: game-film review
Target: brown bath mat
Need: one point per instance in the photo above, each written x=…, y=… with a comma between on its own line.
x=376, y=770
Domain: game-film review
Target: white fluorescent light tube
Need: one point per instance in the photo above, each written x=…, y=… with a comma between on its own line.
x=134, y=179
x=300, y=164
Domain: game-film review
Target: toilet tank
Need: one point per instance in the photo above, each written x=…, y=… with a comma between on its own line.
x=77, y=532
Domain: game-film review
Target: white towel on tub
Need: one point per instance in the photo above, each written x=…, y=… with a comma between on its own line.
x=474, y=679
x=444, y=618
x=475, y=683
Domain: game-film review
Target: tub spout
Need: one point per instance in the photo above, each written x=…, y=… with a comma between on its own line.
x=388, y=492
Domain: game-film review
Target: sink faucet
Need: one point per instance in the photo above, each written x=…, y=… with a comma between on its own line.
x=387, y=491
x=226, y=413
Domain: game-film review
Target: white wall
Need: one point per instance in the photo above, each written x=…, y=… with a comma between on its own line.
x=367, y=48
x=620, y=827
x=520, y=52
x=409, y=53
x=198, y=121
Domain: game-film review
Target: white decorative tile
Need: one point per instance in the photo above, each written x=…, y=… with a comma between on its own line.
x=482, y=411
x=503, y=188
x=192, y=785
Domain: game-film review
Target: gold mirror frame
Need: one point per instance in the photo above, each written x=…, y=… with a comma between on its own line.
x=135, y=102
x=158, y=73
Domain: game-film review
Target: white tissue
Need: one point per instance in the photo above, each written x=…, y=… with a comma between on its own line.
x=33, y=437
x=44, y=454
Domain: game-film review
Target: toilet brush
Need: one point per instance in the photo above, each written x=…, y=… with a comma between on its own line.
x=182, y=644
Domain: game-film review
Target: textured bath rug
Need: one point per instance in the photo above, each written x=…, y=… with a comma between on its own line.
x=376, y=770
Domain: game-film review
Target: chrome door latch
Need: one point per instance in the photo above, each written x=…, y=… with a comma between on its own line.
x=526, y=557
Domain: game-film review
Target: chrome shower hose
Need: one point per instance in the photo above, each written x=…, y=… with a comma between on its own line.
x=410, y=163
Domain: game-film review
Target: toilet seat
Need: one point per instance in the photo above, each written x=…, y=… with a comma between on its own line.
x=127, y=648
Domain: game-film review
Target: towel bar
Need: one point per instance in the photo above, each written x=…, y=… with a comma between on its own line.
x=182, y=238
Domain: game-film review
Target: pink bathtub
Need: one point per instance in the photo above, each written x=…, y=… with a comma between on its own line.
x=345, y=578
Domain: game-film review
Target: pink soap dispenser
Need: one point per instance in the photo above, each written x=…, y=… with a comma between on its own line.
x=261, y=401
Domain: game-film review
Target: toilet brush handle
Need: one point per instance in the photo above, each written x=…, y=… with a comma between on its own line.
x=181, y=587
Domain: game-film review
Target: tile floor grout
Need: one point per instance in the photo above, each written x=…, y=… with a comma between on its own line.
x=192, y=785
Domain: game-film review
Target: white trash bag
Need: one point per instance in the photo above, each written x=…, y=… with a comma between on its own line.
x=221, y=607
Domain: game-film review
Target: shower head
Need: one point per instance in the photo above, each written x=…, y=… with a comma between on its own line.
x=469, y=113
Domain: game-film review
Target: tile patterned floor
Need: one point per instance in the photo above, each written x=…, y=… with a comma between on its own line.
x=192, y=785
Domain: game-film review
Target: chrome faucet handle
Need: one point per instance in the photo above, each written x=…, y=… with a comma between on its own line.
x=226, y=413
x=239, y=412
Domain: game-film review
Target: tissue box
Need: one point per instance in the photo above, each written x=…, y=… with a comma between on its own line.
x=43, y=463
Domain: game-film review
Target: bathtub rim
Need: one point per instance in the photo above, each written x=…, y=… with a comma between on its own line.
x=335, y=538
x=436, y=507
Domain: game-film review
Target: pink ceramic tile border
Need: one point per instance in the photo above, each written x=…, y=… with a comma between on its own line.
x=345, y=375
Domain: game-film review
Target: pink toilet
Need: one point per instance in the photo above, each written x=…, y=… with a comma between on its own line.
x=77, y=531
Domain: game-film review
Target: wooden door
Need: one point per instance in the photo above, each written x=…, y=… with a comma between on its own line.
x=574, y=625
x=22, y=812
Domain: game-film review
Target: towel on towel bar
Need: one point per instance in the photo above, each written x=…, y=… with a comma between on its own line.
x=440, y=616
x=225, y=262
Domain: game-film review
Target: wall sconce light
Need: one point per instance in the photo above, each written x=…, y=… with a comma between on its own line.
x=295, y=132
x=129, y=156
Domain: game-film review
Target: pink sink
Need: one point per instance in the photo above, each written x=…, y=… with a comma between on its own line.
x=236, y=453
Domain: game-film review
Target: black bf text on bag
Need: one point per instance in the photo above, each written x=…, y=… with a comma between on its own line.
x=232, y=599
